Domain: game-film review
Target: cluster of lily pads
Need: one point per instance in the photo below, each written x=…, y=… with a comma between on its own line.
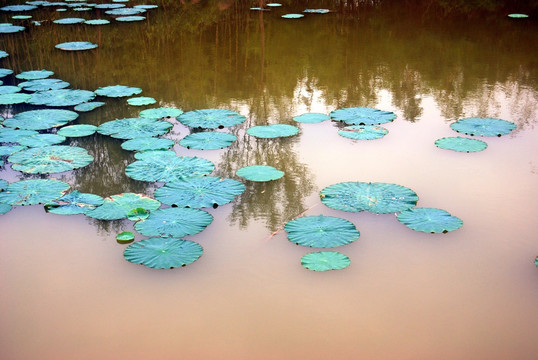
x=270, y=6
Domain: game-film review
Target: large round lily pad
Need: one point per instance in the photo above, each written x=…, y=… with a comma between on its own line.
x=74, y=203
x=14, y=98
x=363, y=132
x=43, y=84
x=199, y=192
x=211, y=118
x=10, y=29
x=118, y=206
x=167, y=168
x=321, y=231
x=118, y=91
x=259, y=173
x=76, y=46
x=9, y=135
x=30, y=192
x=160, y=113
x=380, y=198
x=272, y=131
x=41, y=119
x=62, y=97
x=50, y=159
x=5, y=72
x=147, y=143
x=292, y=16
x=325, y=260
x=77, y=130
x=18, y=8
x=429, y=220
x=174, y=222
x=483, y=126
x=363, y=116
x=311, y=118
x=141, y=100
x=97, y=22
x=207, y=140
x=461, y=144
x=34, y=74
x=41, y=140
x=163, y=253
x=88, y=106
x=9, y=89
x=131, y=128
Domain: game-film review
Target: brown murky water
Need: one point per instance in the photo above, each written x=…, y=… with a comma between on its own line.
x=67, y=293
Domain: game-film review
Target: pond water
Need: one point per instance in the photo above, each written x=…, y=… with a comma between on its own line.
x=67, y=291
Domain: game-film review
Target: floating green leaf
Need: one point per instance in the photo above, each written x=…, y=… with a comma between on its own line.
x=130, y=18
x=138, y=214
x=272, y=131
x=97, y=22
x=9, y=89
x=316, y=11
x=118, y=91
x=43, y=84
x=31, y=192
x=109, y=6
x=311, y=118
x=18, y=8
x=146, y=7
x=207, y=140
x=9, y=135
x=3, y=184
x=62, y=97
x=141, y=100
x=76, y=46
x=325, y=260
x=117, y=207
x=380, y=198
x=41, y=140
x=461, y=144
x=17, y=98
x=10, y=29
x=159, y=253
x=77, y=130
x=211, y=118
x=174, y=222
x=168, y=168
x=74, y=203
x=363, y=116
x=363, y=132
x=40, y=119
x=150, y=154
x=259, y=173
x=292, y=16
x=274, y=4
x=10, y=149
x=69, y=21
x=483, y=126
x=125, y=11
x=125, y=237
x=159, y=113
x=131, y=128
x=88, y=106
x=3, y=54
x=147, y=143
x=321, y=231
x=518, y=16
x=34, y=74
x=4, y=208
x=5, y=72
x=50, y=159
x=429, y=220
x=199, y=192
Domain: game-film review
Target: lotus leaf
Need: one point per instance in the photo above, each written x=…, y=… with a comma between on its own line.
x=518, y=16
x=124, y=11
x=117, y=207
x=74, y=203
x=125, y=237
x=130, y=18
x=9, y=89
x=5, y=72
x=41, y=119
x=379, y=198
x=138, y=214
x=41, y=140
x=97, y=22
x=168, y=168
x=146, y=7
x=363, y=132
x=4, y=208
x=292, y=16
x=362, y=116
x=209, y=140
x=131, y=128
x=68, y=21
x=43, y=84
x=159, y=253
x=429, y=220
x=10, y=149
x=211, y=118
x=321, y=231
x=274, y=5
x=141, y=101
x=316, y=11
x=17, y=98
x=62, y=97
x=76, y=46
x=272, y=131
x=21, y=17
x=50, y=159
x=109, y=6
x=483, y=126
x=159, y=113
x=8, y=135
x=61, y=10
x=88, y=106
x=325, y=260
x=150, y=154
x=30, y=192
x=259, y=173
x=3, y=184
x=9, y=29
x=258, y=9
x=34, y=74
x=311, y=118
x=199, y=192
x=18, y=8
x=118, y=91
x=77, y=130
x=82, y=9
x=3, y=54
x=174, y=222
x=461, y=144
x=147, y=143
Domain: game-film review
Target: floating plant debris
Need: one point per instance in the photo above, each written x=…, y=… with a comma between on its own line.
x=272, y=131
x=62, y=97
x=163, y=253
x=461, y=144
x=325, y=260
x=362, y=116
x=311, y=118
x=118, y=91
x=50, y=159
x=211, y=118
x=80, y=130
x=174, y=222
x=88, y=106
x=160, y=113
x=141, y=101
x=14, y=98
x=429, y=220
x=292, y=16
x=41, y=119
x=321, y=231
x=69, y=21
x=483, y=126
x=31, y=192
x=118, y=206
x=41, y=140
x=125, y=237
x=208, y=140
x=74, y=203
x=259, y=173
x=147, y=143
x=167, y=168
x=131, y=128
x=43, y=84
x=363, y=132
x=76, y=46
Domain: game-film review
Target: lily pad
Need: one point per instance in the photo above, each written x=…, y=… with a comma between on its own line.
x=292, y=16
x=211, y=118
x=21, y=17
x=207, y=140
x=43, y=84
x=16, y=98
x=34, y=74
x=31, y=192
x=483, y=126
x=518, y=16
x=10, y=149
x=3, y=54
x=141, y=100
x=74, y=203
x=138, y=214
x=88, y=106
x=272, y=131
x=160, y=113
x=10, y=29
x=131, y=128
x=5, y=208
x=9, y=89
x=18, y=8
x=125, y=237
x=379, y=198
x=168, y=168
x=69, y=21
x=5, y=72
x=311, y=118
x=174, y=222
x=8, y=135
x=41, y=140
x=76, y=46
x=97, y=22
x=147, y=143
x=130, y=18
x=77, y=130
x=321, y=231
x=40, y=119
x=150, y=154
x=363, y=116
x=124, y=11
x=461, y=144
x=325, y=260
x=62, y=97
x=50, y=159
x=363, y=132
x=259, y=173
x=159, y=253
x=109, y=6
x=118, y=206
x=146, y=7
x=118, y=91
x=3, y=184
x=429, y=220
x=199, y=192
x=273, y=5
x=316, y=11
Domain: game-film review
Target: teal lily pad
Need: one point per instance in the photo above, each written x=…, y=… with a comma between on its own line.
x=50, y=159
x=31, y=192
x=273, y=5
x=34, y=74
x=272, y=131
x=363, y=116
x=208, y=140
x=61, y=97
x=147, y=143
x=316, y=11
x=43, y=84
x=88, y=106
x=3, y=54
x=146, y=7
x=74, y=203
x=160, y=113
x=21, y=17
x=141, y=100
x=118, y=206
x=18, y=8
x=16, y=98
x=5, y=72
x=97, y=22
x=159, y=253
x=518, y=16
x=363, y=132
x=292, y=16
x=41, y=140
x=109, y=6
x=130, y=18
x=379, y=198
x=483, y=126
x=9, y=89
x=211, y=118
x=174, y=222
x=118, y=91
x=138, y=214
x=429, y=220
x=3, y=184
x=124, y=11
x=10, y=29
x=9, y=135
x=461, y=144
x=10, y=149
x=311, y=118
x=76, y=46
x=131, y=128
x=125, y=237
x=325, y=260
x=150, y=154
x=321, y=231
x=168, y=168
x=5, y=208
x=259, y=173
x=41, y=119
x=199, y=192
x=77, y=130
